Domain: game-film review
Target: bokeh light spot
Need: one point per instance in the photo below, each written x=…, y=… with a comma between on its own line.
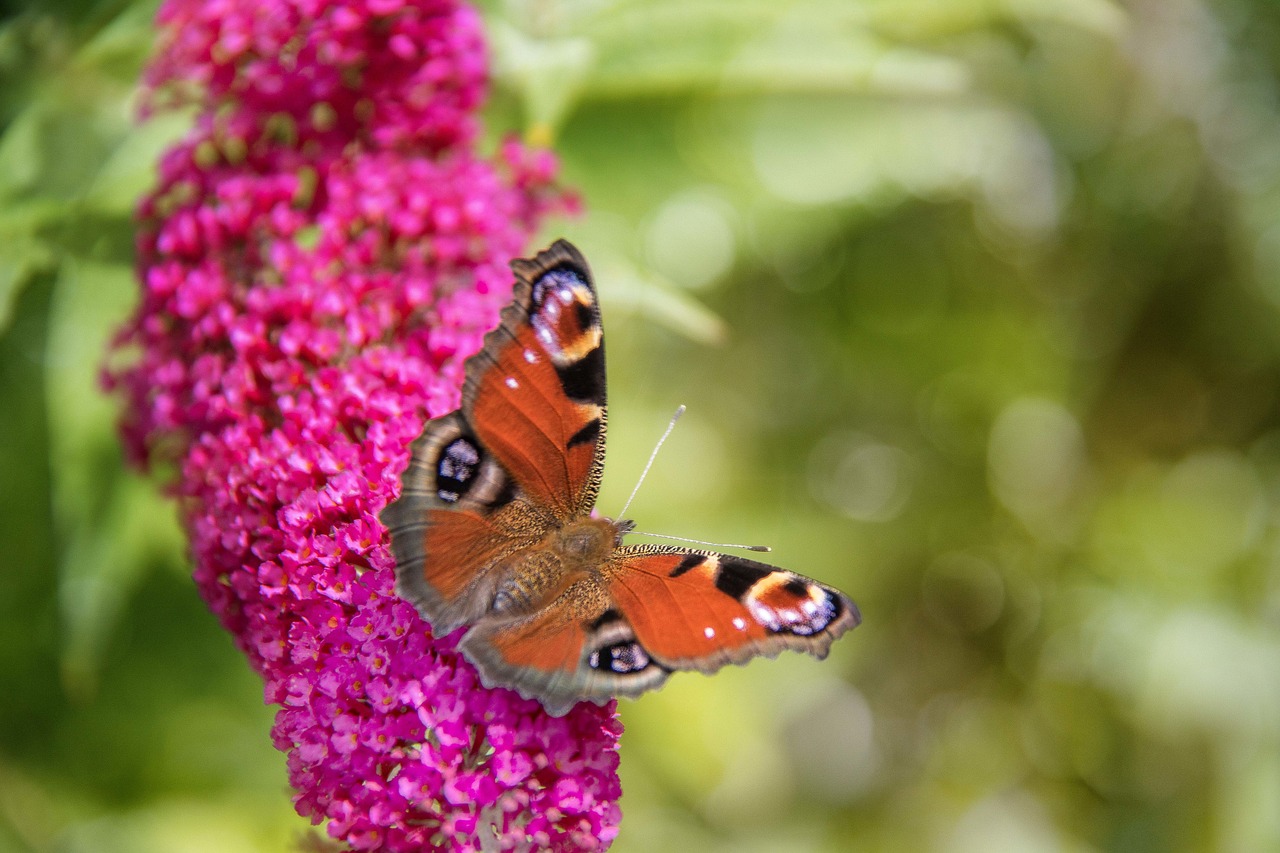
x=1036, y=459
x=865, y=479
x=690, y=239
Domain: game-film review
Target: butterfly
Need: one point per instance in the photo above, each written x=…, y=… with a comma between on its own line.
x=494, y=528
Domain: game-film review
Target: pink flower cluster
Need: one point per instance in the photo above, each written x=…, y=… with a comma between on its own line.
x=322, y=253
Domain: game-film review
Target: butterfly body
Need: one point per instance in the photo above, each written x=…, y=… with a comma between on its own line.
x=533, y=578
x=494, y=527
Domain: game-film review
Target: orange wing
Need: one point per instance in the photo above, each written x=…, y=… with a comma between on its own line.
x=535, y=394
x=651, y=611
x=700, y=610
x=456, y=519
x=576, y=649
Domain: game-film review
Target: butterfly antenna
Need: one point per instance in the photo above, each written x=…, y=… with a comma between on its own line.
x=652, y=456
x=645, y=473
x=702, y=542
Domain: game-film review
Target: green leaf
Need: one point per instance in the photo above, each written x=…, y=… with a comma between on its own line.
x=21, y=255
x=131, y=168
x=21, y=152
x=113, y=525
x=657, y=299
x=548, y=73
x=106, y=557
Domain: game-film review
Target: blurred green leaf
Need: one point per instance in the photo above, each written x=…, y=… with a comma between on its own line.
x=549, y=74
x=658, y=301
x=121, y=45
x=71, y=150
x=21, y=154
x=23, y=255
x=112, y=524
x=115, y=189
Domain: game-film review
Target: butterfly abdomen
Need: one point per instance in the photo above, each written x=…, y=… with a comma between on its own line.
x=528, y=580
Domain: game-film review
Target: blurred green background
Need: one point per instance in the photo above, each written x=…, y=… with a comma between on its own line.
x=976, y=307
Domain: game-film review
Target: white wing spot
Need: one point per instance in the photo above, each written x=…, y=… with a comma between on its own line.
x=565, y=294
x=709, y=632
x=739, y=623
x=764, y=615
x=512, y=383
x=530, y=356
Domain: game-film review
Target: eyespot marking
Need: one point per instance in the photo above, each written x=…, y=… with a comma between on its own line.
x=812, y=615
x=456, y=468
x=620, y=658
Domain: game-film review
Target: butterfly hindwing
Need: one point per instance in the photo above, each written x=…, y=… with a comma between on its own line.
x=578, y=647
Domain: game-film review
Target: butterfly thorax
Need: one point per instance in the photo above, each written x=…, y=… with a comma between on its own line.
x=536, y=576
x=586, y=541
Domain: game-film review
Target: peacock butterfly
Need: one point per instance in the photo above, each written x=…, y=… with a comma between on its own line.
x=493, y=527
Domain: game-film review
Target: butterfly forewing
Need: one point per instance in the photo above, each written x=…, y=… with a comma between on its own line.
x=536, y=394
x=701, y=610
